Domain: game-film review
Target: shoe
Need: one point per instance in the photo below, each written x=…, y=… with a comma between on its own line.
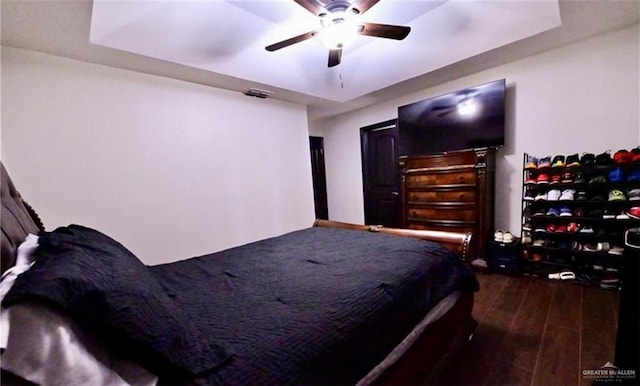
x=526, y=227
x=616, y=250
x=544, y=163
x=543, y=178
x=588, y=159
x=579, y=212
x=587, y=230
x=507, y=237
x=531, y=163
x=622, y=157
x=579, y=178
x=539, y=212
x=567, y=178
x=498, y=236
x=562, y=276
x=616, y=175
x=622, y=216
x=567, y=195
x=561, y=228
x=595, y=213
x=633, y=195
x=576, y=246
x=538, y=243
x=530, y=194
x=581, y=196
x=540, y=228
x=536, y=256
x=616, y=195
x=597, y=198
x=541, y=197
x=556, y=178
x=634, y=212
x=608, y=214
x=553, y=195
x=633, y=175
x=573, y=227
x=526, y=238
x=589, y=247
x=603, y=246
x=565, y=211
x=572, y=161
x=553, y=212
x=558, y=161
x=635, y=154
x=598, y=180
x=604, y=159
x=551, y=228
x=530, y=179
x=609, y=282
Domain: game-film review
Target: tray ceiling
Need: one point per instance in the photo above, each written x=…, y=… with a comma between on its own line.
x=229, y=38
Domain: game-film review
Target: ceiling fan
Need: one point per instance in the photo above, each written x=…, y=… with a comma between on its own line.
x=338, y=19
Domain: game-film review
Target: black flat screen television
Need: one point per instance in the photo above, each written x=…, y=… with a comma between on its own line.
x=471, y=118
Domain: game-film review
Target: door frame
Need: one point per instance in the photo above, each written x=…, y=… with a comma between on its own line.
x=385, y=125
x=319, y=178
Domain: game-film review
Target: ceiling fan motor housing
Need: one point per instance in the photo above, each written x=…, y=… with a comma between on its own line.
x=337, y=12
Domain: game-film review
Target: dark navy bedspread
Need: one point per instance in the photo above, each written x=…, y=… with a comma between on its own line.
x=316, y=306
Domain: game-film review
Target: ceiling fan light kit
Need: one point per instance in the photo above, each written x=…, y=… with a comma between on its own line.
x=339, y=24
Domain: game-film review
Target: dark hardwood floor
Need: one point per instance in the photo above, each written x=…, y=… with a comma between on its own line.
x=536, y=332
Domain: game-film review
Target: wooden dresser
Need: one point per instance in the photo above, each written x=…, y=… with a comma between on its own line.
x=451, y=191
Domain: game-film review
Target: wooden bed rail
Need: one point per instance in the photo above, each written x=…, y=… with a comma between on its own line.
x=456, y=241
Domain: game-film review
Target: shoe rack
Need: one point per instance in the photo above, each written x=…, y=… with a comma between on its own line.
x=575, y=211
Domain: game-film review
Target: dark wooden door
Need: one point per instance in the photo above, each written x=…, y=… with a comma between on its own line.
x=319, y=177
x=380, y=174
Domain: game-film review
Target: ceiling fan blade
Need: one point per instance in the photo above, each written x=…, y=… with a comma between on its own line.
x=311, y=6
x=290, y=41
x=396, y=32
x=335, y=55
x=364, y=5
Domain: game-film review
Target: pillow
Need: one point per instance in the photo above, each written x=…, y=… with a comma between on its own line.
x=107, y=290
x=40, y=334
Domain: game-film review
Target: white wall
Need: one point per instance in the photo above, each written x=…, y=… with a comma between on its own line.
x=170, y=169
x=578, y=98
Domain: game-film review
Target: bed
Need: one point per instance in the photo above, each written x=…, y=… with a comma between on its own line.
x=335, y=303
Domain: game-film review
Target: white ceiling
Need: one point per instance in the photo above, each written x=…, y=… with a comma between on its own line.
x=229, y=37
x=221, y=42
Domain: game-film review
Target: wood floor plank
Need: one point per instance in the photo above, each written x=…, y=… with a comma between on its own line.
x=598, y=329
x=508, y=375
x=490, y=288
x=558, y=360
x=525, y=333
x=566, y=306
x=511, y=296
x=599, y=321
x=537, y=332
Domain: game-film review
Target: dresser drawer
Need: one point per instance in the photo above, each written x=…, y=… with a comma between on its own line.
x=440, y=160
x=420, y=180
x=457, y=195
x=446, y=227
x=455, y=213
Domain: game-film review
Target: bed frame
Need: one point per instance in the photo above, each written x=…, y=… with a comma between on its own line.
x=422, y=363
x=440, y=342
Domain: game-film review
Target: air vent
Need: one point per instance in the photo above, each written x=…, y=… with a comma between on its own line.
x=254, y=92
